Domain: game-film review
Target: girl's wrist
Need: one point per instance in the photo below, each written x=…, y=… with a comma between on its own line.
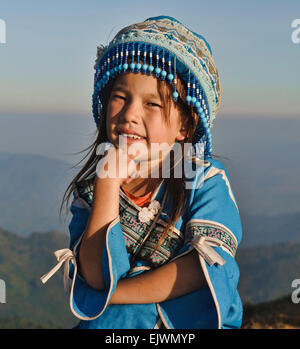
x=110, y=184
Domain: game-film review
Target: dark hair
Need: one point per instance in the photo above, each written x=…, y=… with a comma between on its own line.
x=175, y=187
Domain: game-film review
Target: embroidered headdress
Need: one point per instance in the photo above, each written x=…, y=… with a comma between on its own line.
x=164, y=47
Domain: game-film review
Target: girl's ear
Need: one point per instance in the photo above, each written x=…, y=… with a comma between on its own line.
x=181, y=134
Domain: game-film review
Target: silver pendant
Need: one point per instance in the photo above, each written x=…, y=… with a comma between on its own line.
x=147, y=213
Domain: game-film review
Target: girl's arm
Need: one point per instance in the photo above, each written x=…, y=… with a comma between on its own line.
x=166, y=282
x=174, y=279
x=105, y=209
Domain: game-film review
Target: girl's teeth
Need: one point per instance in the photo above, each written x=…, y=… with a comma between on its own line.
x=131, y=136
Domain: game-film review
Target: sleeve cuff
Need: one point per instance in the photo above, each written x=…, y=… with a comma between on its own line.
x=87, y=303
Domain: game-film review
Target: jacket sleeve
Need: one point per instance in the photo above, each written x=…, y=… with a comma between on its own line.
x=86, y=302
x=212, y=226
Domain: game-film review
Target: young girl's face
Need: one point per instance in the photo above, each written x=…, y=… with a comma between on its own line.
x=135, y=107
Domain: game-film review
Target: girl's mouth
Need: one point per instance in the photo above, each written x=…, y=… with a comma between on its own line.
x=130, y=138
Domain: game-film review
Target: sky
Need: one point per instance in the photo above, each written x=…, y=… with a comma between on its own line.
x=46, y=64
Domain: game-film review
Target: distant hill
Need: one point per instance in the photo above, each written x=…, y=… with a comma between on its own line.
x=31, y=189
x=261, y=155
x=268, y=230
x=278, y=314
x=22, y=262
x=266, y=275
x=266, y=272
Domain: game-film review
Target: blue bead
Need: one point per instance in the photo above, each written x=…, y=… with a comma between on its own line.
x=125, y=66
x=157, y=71
x=175, y=94
x=194, y=100
x=188, y=99
x=198, y=105
x=205, y=124
x=132, y=66
x=145, y=67
x=107, y=73
x=150, y=68
x=120, y=67
x=163, y=74
x=170, y=77
x=138, y=66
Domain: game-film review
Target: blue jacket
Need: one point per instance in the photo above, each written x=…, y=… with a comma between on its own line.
x=211, y=225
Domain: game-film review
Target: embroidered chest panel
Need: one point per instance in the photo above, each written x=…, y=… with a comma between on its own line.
x=134, y=231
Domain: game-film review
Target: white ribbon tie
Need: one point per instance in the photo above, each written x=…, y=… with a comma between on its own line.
x=64, y=255
x=202, y=245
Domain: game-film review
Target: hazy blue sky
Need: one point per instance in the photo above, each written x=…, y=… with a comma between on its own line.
x=46, y=65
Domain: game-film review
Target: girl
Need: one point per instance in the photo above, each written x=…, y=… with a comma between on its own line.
x=153, y=251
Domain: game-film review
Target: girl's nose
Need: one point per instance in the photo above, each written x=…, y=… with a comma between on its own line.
x=130, y=113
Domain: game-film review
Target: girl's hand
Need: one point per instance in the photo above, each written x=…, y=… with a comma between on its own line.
x=126, y=163
x=118, y=165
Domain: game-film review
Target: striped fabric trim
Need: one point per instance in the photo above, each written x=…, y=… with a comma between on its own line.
x=200, y=227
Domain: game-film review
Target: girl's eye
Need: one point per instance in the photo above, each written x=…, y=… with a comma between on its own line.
x=118, y=96
x=155, y=105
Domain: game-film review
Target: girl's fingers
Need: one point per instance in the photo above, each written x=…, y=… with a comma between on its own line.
x=119, y=164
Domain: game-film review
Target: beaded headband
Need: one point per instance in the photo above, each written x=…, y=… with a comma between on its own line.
x=170, y=49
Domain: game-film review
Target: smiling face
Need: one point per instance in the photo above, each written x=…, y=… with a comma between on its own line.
x=135, y=107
